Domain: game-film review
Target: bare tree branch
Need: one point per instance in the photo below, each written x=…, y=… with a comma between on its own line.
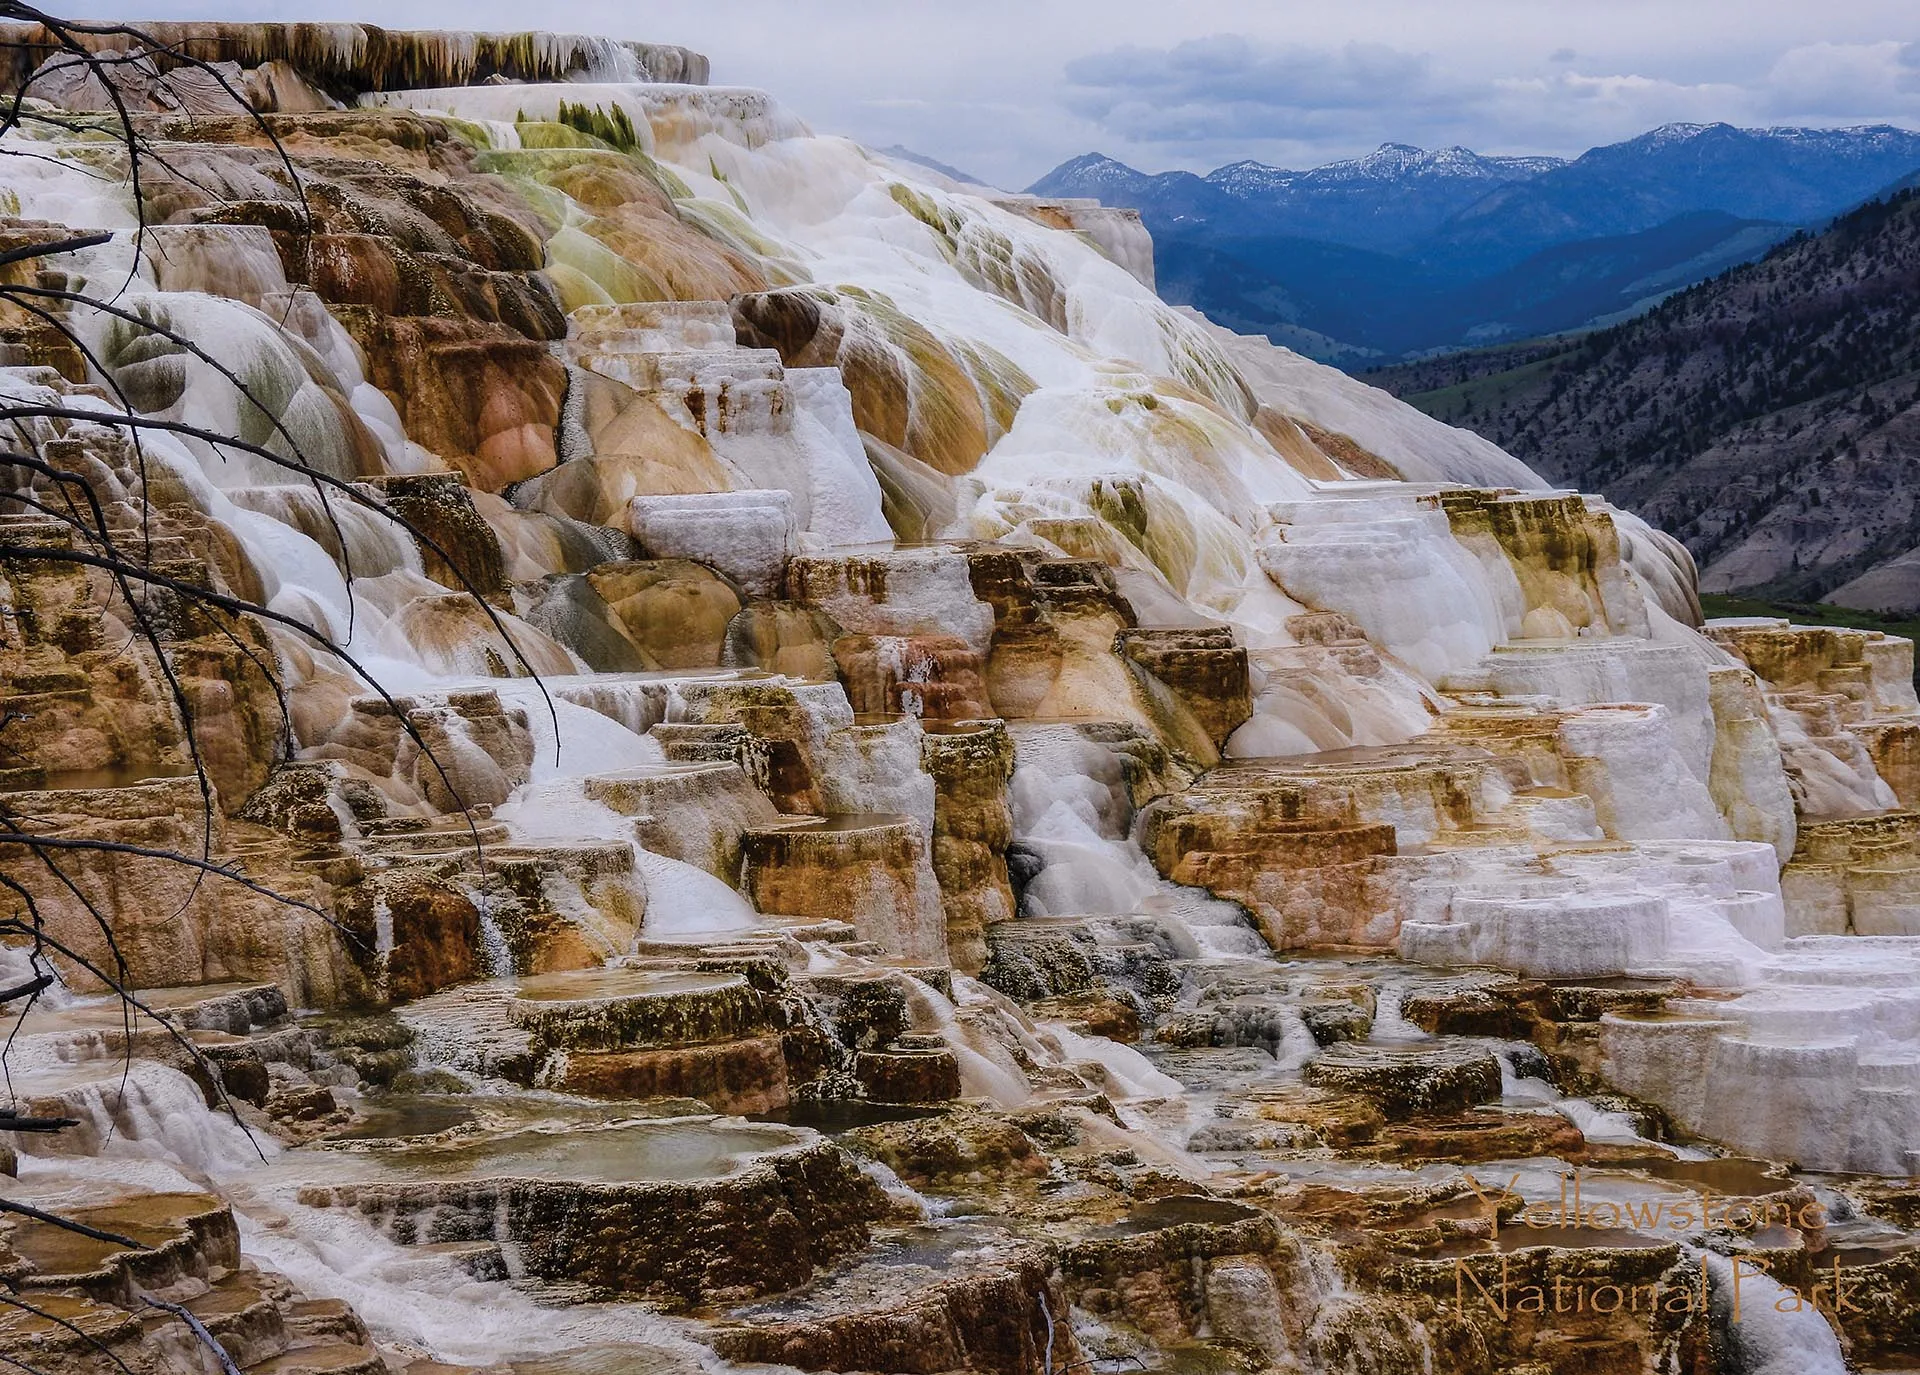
x=8, y=1205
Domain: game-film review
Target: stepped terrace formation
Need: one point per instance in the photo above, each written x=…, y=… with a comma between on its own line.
x=911, y=808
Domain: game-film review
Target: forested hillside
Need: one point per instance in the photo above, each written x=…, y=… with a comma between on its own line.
x=1769, y=417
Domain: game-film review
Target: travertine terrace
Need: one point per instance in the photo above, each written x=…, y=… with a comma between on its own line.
x=1172, y=850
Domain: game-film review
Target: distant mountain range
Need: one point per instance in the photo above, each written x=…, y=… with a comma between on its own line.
x=906, y=154
x=1406, y=251
x=1770, y=418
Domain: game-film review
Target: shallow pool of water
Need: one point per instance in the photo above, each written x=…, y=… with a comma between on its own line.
x=616, y=983
x=587, y=1152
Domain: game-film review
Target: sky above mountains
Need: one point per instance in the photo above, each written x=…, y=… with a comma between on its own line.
x=1008, y=88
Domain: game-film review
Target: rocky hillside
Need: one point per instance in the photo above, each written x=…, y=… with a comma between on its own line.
x=1407, y=250
x=1769, y=418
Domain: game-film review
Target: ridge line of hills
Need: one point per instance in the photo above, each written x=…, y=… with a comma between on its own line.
x=1407, y=251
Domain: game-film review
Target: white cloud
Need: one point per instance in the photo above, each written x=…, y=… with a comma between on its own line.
x=1845, y=79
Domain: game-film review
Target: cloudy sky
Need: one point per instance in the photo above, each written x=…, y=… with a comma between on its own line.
x=1008, y=88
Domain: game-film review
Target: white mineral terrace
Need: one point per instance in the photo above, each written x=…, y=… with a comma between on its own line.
x=938, y=677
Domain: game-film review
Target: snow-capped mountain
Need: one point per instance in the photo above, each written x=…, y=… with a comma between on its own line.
x=1407, y=249
x=1383, y=201
x=1390, y=162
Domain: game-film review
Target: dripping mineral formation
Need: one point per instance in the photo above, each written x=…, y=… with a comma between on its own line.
x=992, y=826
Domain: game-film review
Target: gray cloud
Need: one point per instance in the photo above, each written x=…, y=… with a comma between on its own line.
x=1227, y=89
x=1231, y=68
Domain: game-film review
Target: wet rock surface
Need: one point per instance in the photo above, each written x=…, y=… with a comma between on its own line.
x=579, y=1206
x=1405, y=1080
x=914, y=1306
